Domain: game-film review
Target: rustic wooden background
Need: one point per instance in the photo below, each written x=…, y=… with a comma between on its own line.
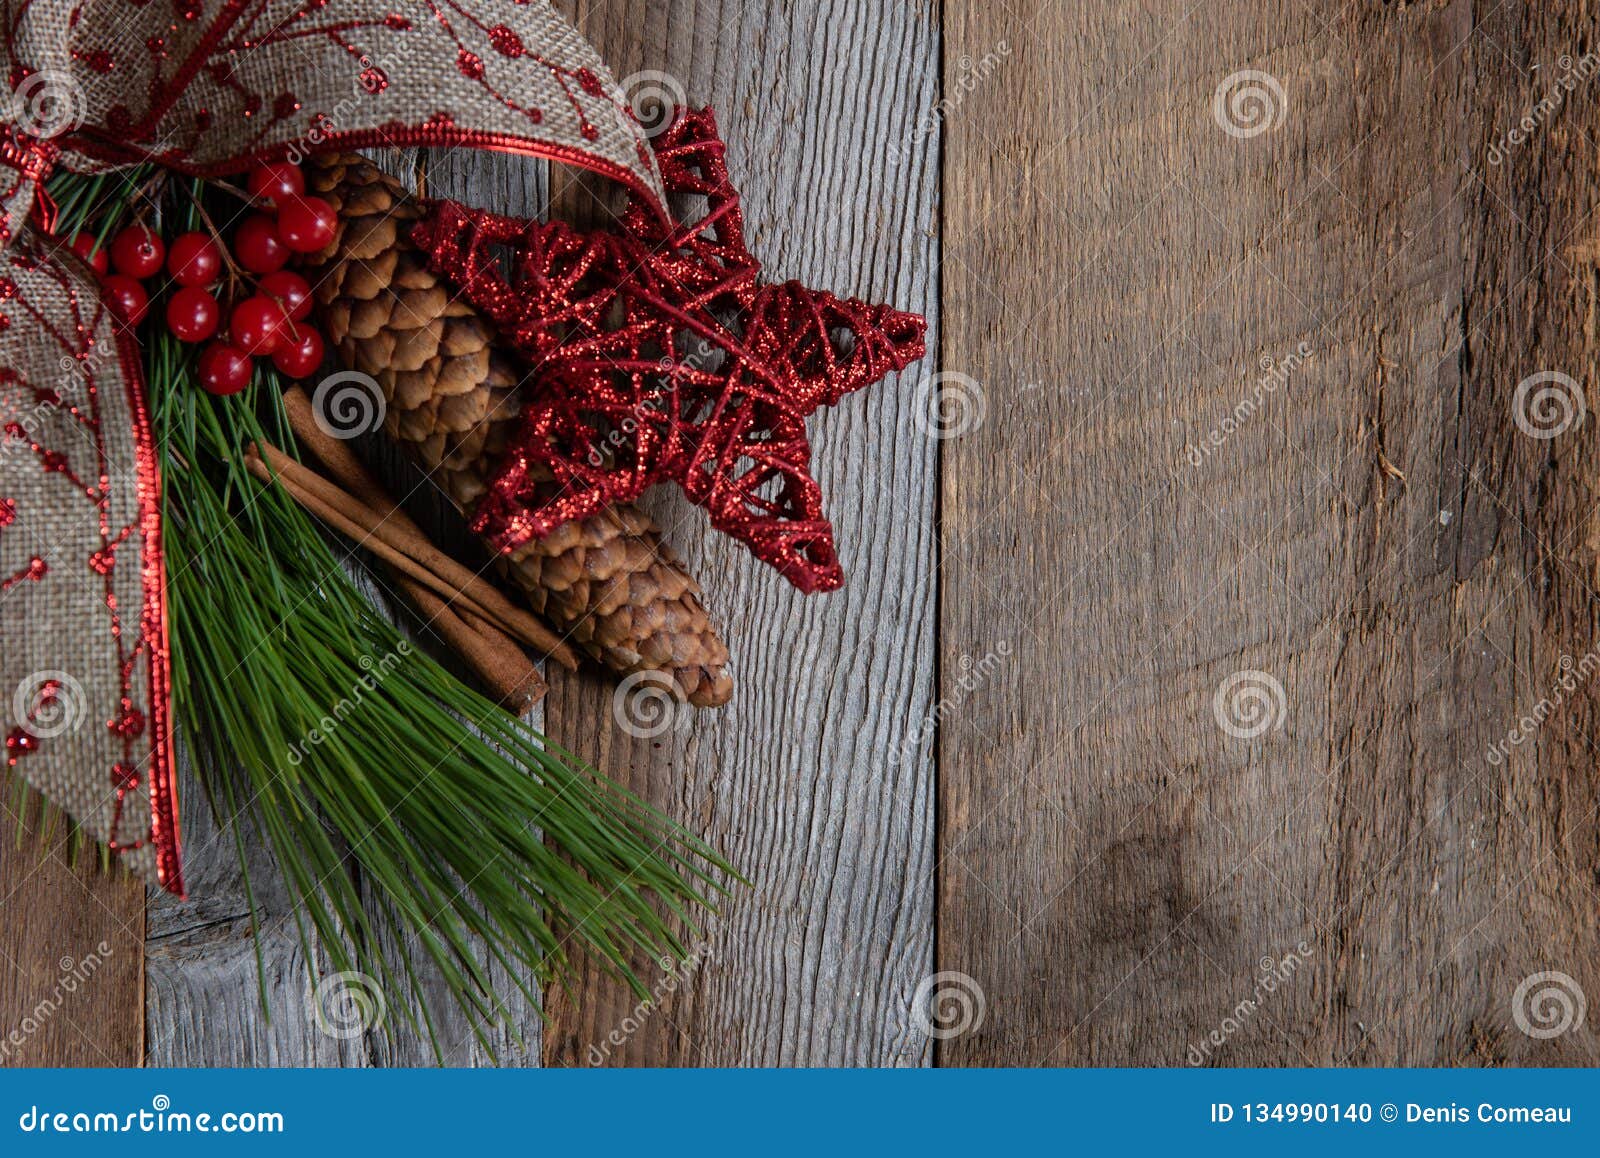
x=1087, y=866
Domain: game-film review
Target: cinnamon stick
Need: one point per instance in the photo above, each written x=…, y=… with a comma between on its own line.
x=349, y=472
x=341, y=461
x=408, y=540
x=504, y=669
x=409, y=553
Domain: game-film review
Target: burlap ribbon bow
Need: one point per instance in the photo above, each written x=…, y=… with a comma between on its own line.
x=206, y=87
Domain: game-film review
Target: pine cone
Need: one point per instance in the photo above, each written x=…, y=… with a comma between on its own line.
x=608, y=582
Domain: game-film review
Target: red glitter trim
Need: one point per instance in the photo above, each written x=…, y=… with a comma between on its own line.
x=162, y=780
x=31, y=157
x=436, y=135
x=30, y=160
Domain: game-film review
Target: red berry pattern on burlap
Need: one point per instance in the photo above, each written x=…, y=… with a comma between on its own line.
x=79, y=400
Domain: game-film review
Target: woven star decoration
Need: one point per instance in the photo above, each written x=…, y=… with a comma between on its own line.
x=659, y=358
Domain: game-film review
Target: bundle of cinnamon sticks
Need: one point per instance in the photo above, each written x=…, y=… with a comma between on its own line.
x=479, y=623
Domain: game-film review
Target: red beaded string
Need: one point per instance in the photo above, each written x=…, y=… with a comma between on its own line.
x=658, y=358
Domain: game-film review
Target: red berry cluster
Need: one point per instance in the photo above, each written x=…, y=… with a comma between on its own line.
x=262, y=323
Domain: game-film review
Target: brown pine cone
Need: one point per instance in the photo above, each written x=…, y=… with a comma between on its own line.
x=607, y=582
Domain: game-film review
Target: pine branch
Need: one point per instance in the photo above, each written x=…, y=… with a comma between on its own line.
x=466, y=827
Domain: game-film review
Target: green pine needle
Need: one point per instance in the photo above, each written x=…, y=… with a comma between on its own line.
x=466, y=829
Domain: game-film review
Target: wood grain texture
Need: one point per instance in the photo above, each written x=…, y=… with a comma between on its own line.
x=221, y=991
x=1370, y=528
x=818, y=961
x=509, y=185
x=71, y=949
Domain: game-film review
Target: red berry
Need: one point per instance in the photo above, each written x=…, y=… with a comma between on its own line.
x=126, y=297
x=300, y=354
x=275, y=183
x=257, y=245
x=137, y=252
x=291, y=289
x=194, y=259
x=87, y=246
x=224, y=369
x=193, y=314
x=307, y=224
x=257, y=325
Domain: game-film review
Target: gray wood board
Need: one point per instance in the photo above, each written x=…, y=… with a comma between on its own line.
x=71, y=945
x=818, y=961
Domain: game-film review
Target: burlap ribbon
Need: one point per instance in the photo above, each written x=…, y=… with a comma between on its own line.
x=206, y=87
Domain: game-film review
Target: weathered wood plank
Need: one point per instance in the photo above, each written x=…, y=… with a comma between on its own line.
x=204, y=981
x=1368, y=528
x=817, y=963
x=508, y=185
x=71, y=950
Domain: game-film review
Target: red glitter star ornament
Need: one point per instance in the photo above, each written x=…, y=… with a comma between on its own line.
x=658, y=358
